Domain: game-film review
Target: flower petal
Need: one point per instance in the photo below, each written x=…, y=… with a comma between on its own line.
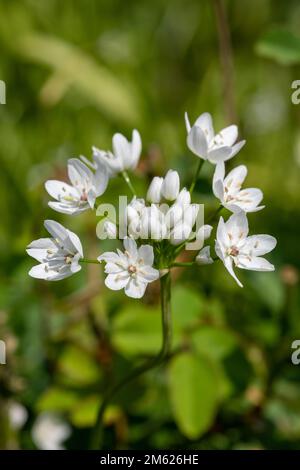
x=204, y=121
x=131, y=247
x=79, y=174
x=59, y=189
x=237, y=227
x=220, y=154
x=259, y=244
x=197, y=143
x=117, y=281
x=229, y=135
x=38, y=249
x=135, y=288
x=235, y=178
x=254, y=263
x=228, y=266
x=148, y=274
x=145, y=253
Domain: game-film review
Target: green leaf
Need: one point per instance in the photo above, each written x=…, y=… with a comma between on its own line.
x=217, y=343
x=137, y=330
x=281, y=46
x=194, y=393
x=187, y=306
x=72, y=66
x=57, y=399
x=85, y=414
x=77, y=367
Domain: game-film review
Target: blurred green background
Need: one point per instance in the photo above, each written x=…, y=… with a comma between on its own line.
x=76, y=72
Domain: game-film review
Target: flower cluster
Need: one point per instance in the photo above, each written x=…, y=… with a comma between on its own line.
x=166, y=217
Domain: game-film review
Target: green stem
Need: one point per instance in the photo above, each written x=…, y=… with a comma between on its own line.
x=165, y=283
x=182, y=265
x=90, y=261
x=200, y=165
x=128, y=182
x=214, y=215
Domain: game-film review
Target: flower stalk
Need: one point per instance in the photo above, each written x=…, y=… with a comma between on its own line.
x=128, y=182
x=165, y=283
x=195, y=179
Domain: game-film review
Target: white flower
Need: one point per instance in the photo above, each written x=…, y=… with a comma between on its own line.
x=17, y=414
x=184, y=197
x=228, y=190
x=203, y=142
x=235, y=248
x=204, y=257
x=49, y=432
x=203, y=234
x=131, y=270
x=110, y=229
x=81, y=195
x=154, y=191
x=125, y=155
x=170, y=186
x=152, y=224
x=59, y=256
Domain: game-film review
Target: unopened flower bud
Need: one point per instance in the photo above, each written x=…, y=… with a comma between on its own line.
x=154, y=191
x=204, y=257
x=170, y=186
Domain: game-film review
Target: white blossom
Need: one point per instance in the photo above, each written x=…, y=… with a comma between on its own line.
x=49, y=432
x=152, y=224
x=170, y=185
x=203, y=234
x=82, y=193
x=58, y=256
x=110, y=229
x=235, y=248
x=130, y=270
x=228, y=190
x=125, y=154
x=154, y=191
x=204, y=143
x=204, y=257
x=17, y=415
x=184, y=197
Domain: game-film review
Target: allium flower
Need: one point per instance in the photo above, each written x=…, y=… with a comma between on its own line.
x=49, y=432
x=110, y=229
x=170, y=186
x=204, y=143
x=58, y=256
x=235, y=248
x=131, y=270
x=125, y=154
x=154, y=191
x=204, y=257
x=81, y=195
x=153, y=224
x=228, y=190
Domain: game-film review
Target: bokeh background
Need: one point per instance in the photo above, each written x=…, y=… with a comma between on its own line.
x=76, y=72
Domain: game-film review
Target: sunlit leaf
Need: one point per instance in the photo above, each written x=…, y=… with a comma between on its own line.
x=193, y=393
x=57, y=399
x=280, y=45
x=73, y=66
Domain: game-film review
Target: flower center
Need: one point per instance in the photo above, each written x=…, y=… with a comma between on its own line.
x=83, y=196
x=69, y=259
x=131, y=269
x=233, y=251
